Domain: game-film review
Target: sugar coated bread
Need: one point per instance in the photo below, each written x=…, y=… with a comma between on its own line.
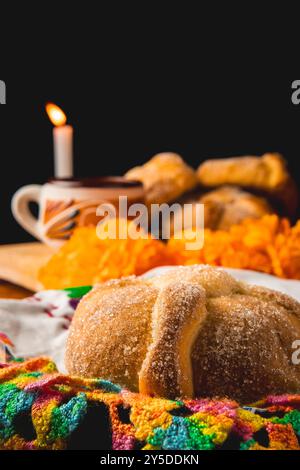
x=224, y=207
x=230, y=205
x=193, y=331
x=165, y=177
x=267, y=174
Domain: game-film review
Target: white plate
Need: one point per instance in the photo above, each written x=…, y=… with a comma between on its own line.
x=288, y=286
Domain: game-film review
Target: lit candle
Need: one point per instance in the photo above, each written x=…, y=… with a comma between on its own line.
x=63, y=142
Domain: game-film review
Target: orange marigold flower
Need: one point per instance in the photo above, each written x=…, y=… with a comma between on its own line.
x=86, y=260
x=268, y=245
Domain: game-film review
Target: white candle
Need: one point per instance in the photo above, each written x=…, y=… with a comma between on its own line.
x=63, y=151
x=63, y=142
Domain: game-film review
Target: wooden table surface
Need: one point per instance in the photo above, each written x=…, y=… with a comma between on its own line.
x=19, y=267
x=12, y=291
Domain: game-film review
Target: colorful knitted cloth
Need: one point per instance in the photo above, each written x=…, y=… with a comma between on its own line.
x=41, y=408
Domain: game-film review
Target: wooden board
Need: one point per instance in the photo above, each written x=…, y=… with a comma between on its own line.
x=11, y=291
x=20, y=263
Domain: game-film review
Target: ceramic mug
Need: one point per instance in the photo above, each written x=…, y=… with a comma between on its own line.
x=67, y=203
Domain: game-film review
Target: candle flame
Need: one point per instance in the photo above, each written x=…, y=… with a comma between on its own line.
x=56, y=115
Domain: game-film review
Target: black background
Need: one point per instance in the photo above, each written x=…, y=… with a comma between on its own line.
x=134, y=89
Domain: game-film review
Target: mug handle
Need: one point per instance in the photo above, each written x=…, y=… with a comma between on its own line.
x=20, y=208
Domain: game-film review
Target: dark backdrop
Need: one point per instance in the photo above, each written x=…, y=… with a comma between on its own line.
x=127, y=105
